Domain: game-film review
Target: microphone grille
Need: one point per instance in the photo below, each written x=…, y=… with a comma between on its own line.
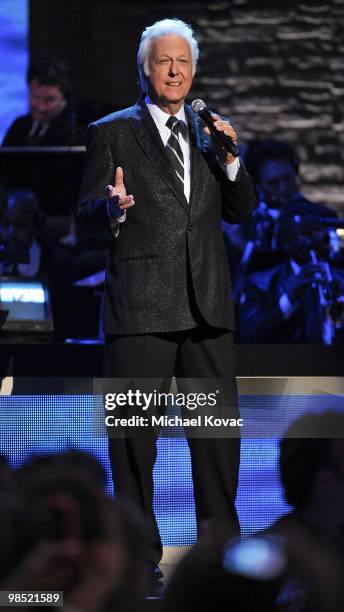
x=198, y=105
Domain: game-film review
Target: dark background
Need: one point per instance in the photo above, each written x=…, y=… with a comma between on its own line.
x=276, y=68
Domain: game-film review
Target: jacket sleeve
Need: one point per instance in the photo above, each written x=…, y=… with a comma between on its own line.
x=91, y=214
x=238, y=197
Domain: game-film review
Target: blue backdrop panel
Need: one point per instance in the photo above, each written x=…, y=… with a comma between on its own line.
x=13, y=61
x=46, y=423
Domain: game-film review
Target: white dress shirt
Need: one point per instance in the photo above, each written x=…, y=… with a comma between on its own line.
x=160, y=118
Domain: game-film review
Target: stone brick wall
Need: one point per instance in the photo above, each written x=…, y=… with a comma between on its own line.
x=276, y=68
x=278, y=71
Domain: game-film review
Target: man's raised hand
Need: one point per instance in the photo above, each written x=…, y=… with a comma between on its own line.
x=116, y=194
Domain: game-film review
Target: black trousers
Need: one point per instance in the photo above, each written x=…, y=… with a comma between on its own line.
x=202, y=352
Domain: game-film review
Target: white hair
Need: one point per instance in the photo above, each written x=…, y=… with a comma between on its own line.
x=164, y=27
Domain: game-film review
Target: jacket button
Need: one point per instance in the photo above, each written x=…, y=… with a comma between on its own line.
x=190, y=228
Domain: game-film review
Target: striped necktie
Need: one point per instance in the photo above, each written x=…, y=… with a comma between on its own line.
x=34, y=135
x=173, y=147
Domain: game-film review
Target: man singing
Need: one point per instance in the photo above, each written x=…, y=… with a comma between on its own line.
x=158, y=185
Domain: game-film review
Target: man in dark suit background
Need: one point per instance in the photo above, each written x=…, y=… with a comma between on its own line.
x=167, y=294
x=50, y=121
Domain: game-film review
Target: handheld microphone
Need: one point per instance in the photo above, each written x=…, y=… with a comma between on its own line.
x=198, y=106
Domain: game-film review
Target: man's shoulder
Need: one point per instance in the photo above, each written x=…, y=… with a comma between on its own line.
x=318, y=209
x=118, y=117
x=22, y=119
x=16, y=134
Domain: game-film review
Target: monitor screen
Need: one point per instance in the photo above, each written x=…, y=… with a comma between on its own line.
x=27, y=303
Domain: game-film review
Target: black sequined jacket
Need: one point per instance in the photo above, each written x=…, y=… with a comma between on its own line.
x=167, y=268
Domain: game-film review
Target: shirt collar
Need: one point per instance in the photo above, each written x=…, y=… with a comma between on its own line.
x=160, y=117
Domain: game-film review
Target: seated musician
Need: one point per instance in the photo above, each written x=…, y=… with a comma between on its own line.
x=300, y=300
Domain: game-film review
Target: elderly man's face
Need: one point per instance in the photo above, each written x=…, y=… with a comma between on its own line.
x=170, y=71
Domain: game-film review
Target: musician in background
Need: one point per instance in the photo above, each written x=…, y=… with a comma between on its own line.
x=300, y=300
x=274, y=167
x=50, y=121
x=21, y=249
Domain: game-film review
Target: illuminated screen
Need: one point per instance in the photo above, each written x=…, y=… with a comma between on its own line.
x=46, y=423
x=25, y=302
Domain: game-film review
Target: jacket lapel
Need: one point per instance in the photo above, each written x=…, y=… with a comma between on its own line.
x=199, y=144
x=149, y=140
